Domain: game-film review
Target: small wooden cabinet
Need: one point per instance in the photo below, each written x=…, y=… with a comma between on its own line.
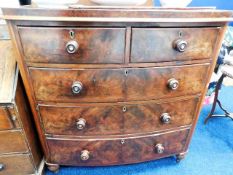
x=112, y=86
x=19, y=145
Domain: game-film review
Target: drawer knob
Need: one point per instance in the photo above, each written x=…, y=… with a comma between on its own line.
x=165, y=118
x=81, y=123
x=77, y=87
x=72, y=46
x=159, y=148
x=173, y=84
x=2, y=166
x=85, y=155
x=180, y=45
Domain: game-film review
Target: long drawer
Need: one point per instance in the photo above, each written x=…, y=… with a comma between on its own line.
x=16, y=164
x=12, y=141
x=89, y=45
x=112, y=85
x=92, y=152
x=121, y=118
x=163, y=44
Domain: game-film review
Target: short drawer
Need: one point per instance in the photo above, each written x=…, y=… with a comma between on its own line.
x=12, y=142
x=94, y=152
x=112, y=85
x=172, y=44
x=73, y=45
x=102, y=119
x=7, y=120
x=16, y=164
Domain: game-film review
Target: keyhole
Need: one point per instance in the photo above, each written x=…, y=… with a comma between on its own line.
x=126, y=72
x=72, y=34
x=124, y=109
x=122, y=141
x=180, y=34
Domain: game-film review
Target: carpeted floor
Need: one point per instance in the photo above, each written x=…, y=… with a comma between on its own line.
x=210, y=153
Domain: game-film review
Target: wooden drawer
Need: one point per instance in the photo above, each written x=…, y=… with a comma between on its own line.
x=115, y=119
x=157, y=44
x=115, y=151
x=8, y=118
x=112, y=85
x=12, y=142
x=5, y=119
x=17, y=164
x=96, y=45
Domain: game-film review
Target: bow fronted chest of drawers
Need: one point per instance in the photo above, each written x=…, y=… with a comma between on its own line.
x=112, y=86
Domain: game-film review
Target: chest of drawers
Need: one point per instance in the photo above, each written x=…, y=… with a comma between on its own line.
x=19, y=145
x=112, y=86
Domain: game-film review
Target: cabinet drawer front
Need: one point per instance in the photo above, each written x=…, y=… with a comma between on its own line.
x=12, y=142
x=94, y=120
x=16, y=165
x=5, y=121
x=158, y=45
x=151, y=117
x=82, y=120
x=144, y=149
x=95, y=45
x=69, y=152
x=115, y=151
x=98, y=85
x=112, y=85
x=8, y=118
x=152, y=83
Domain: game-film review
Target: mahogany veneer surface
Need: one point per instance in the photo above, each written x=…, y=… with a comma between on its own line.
x=125, y=63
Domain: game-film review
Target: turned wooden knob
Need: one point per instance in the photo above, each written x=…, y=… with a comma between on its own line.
x=165, y=118
x=173, y=84
x=85, y=155
x=159, y=148
x=180, y=45
x=2, y=166
x=81, y=123
x=77, y=87
x=72, y=47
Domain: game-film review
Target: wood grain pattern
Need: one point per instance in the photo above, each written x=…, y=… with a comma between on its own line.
x=143, y=149
x=100, y=120
x=7, y=71
x=143, y=118
x=101, y=152
x=110, y=119
x=134, y=83
x=98, y=85
x=153, y=82
x=156, y=44
x=12, y=141
x=5, y=119
x=96, y=45
x=113, y=152
x=111, y=85
x=19, y=164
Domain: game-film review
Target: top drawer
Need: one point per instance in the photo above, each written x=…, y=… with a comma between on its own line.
x=172, y=44
x=73, y=45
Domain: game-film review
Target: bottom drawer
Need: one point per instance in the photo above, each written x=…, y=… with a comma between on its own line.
x=113, y=151
x=19, y=164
